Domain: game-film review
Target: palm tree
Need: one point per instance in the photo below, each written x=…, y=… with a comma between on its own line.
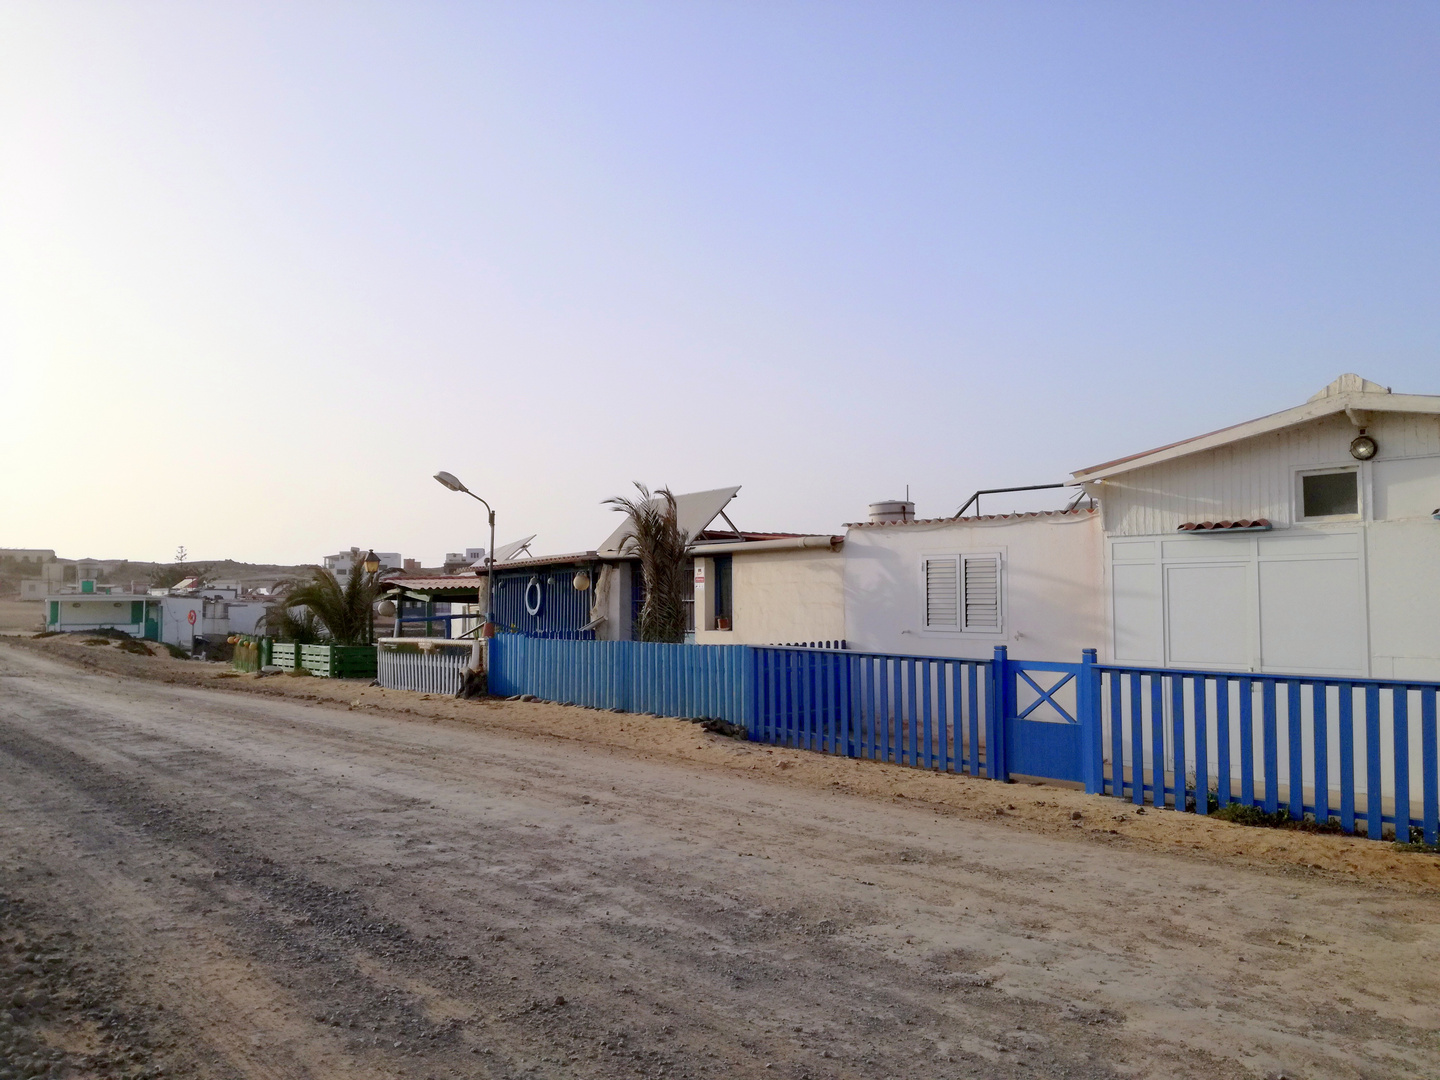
x=342, y=610
x=300, y=627
x=661, y=545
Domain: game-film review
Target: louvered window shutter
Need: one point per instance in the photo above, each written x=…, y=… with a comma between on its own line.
x=942, y=593
x=980, y=610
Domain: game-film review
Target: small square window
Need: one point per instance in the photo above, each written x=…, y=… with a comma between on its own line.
x=1335, y=494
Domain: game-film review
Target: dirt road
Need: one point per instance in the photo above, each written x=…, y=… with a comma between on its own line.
x=195, y=883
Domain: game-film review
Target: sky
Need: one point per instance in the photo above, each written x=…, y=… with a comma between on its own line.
x=265, y=268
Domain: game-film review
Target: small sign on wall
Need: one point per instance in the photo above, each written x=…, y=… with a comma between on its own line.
x=699, y=572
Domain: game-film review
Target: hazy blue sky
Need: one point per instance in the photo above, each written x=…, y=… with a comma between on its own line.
x=266, y=267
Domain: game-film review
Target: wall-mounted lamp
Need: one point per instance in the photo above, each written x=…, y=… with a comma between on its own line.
x=1363, y=447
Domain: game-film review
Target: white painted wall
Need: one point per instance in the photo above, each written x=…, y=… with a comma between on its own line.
x=1355, y=597
x=1052, y=586
x=1404, y=595
x=779, y=597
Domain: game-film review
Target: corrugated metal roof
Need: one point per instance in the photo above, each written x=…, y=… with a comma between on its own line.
x=433, y=583
x=1077, y=512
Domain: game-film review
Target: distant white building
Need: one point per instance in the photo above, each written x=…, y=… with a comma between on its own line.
x=459, y=560
x=343, y=563
x=176, y=620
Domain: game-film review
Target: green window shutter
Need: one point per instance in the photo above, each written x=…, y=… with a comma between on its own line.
x=137, y=611
x=54, y=612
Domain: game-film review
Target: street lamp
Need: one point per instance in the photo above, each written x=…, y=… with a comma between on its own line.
x=451, y=481
x=372, y=567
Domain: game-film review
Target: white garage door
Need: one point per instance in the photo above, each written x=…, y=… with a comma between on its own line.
x=1312, y=604
x=1207, y=615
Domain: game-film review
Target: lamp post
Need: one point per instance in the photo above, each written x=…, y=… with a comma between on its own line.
x=372, y=567
x=450, y=481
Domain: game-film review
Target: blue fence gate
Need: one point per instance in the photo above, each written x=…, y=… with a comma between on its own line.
x=1361, y=753
x=1048, y=714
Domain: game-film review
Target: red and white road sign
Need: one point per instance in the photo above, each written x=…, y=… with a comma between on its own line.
x=191, y=616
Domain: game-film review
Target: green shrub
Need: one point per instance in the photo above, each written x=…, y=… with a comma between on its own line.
x=1241, y=814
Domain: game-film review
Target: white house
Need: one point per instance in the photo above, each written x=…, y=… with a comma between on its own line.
x=1306, y=541
x=770, y=589
x=177, y=620
x=961, y=586
x=341, y=563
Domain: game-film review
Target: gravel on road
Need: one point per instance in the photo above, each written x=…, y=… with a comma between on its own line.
x=195, y=883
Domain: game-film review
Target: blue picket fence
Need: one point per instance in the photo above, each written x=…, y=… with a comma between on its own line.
x=1359, y=752
x=1346, y=750
x=703, y=681
x=923, y=711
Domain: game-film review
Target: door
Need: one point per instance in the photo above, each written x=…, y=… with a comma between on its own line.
x=152, y=621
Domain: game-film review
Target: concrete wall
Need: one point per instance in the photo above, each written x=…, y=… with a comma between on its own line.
x=779, y=597
x=616, y=601
x=1052, y=584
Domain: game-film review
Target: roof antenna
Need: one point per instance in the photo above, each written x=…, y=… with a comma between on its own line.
x=907, y=492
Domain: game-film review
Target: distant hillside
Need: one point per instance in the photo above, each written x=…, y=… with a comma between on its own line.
x=142, y=574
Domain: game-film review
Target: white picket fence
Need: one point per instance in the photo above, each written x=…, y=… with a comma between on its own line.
x=429, y=666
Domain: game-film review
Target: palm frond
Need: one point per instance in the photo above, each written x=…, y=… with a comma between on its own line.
x=342, y=610
x=661, y=546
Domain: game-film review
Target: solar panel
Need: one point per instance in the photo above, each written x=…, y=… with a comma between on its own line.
x=695, y=510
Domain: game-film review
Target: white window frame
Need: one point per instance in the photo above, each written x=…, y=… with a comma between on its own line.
x=1361, y=500
x=959, y=559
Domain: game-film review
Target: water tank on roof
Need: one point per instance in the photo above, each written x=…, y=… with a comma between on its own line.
x=891, y=510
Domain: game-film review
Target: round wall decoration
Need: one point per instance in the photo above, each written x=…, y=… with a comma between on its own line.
x=534, y=595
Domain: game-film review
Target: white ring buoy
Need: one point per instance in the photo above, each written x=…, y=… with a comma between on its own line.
x=534, y=583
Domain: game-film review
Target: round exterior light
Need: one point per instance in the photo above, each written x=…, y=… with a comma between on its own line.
x=1363, y=447
x=581, y=581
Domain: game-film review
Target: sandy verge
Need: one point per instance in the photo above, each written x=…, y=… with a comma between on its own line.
x=1042, y=809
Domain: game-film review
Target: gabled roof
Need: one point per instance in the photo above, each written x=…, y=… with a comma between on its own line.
x=1349, y=394
x=696, y=510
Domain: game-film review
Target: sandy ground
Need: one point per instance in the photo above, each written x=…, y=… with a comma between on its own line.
x=319, y=879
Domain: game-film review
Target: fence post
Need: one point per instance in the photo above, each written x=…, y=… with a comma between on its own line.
x=997, y=707
x=750, y=699
x=1087, y=700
